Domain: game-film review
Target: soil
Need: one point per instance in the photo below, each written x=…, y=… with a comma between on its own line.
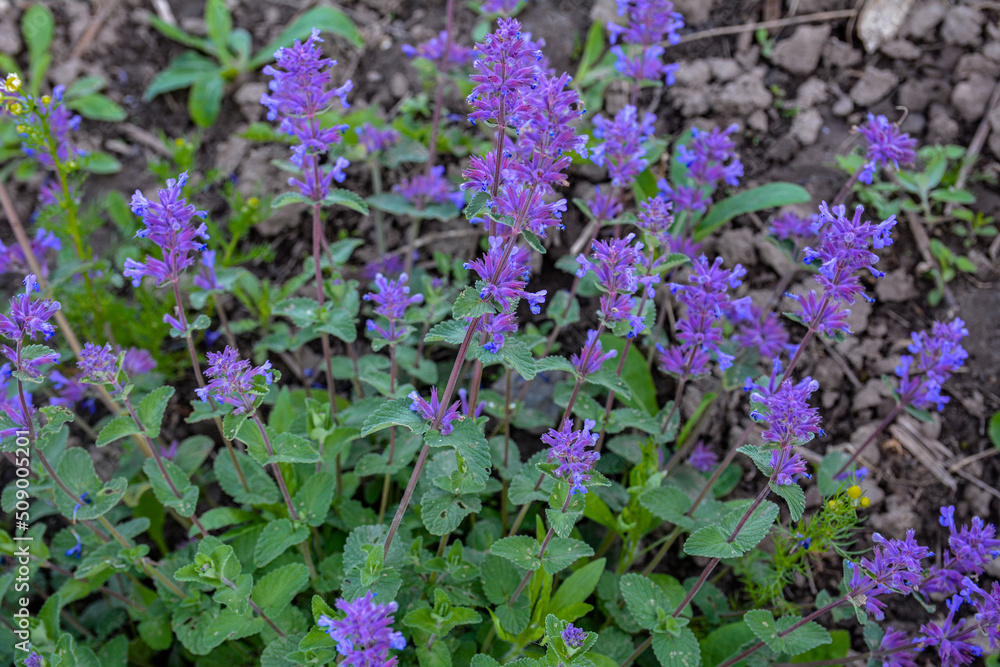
x=796, y=93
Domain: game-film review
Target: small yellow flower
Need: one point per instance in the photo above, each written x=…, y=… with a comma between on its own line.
x=179, y=141
x=854, y=492
x=12, y=82
x=832, y=504
x=866, y=501
x=46, y=100
x=15, y=108
x=253, y=202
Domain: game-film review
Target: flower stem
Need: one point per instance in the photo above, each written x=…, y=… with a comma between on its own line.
x=541, y=551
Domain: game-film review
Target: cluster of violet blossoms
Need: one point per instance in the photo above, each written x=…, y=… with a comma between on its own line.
x=706, y=300
x=934, y=357
x=570, y=449
x=886, y=145
x=233, y=380
x=299, y=93
x=27, y=319
x=616, y=264
x=391, y=298
x=711, y=159
x=364, y=635
x=648, y=23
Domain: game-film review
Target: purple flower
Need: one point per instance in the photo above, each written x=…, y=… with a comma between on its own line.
x=168, y=224
x=973, y=546
x=169, y=452
x=764, y=333
x=987, y=606
x=392, y=297
x=573, y=636
x=29, y=318
x=34, y=660
x=375, y=139
x=424, y=188
x=50, y=125
x=75, y=551
x=615, y=263
x=299, y=93
x=429, y=411
x=233, y=380
x=895, y=649
x=711, y=157
x=784, y=409
x=621, y=150
x=655, y=218
x=886, y=145
x=505, y=278
x=938, y=354
x=364, y=635
x=138, y=362
x=463, y=397
x=706, y=301
x=434, y=50
x=605, y=207
x=789, y=225
x=494, y=326
x=69, y=391
x=950, y=638
x=12, y=257
x=569, y=449
x=505, y=71
x=787, y=465
x=591, y=356
x=702, y=458
x=499, y=6
x=207, y=280
x=648, y=23
x=99, y=365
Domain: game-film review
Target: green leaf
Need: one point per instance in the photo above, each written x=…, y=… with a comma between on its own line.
x=263, y=490
x=442, y=512
x=771, y=195
x=499, y=577
x=532, y=240
x=237, y=599
x=669, y=504
x=607, y=379
x=562, y=310
x=645, y=600
x=347, y=199
x=592, y=50
x=219, y=24
x=312, y=501
x=520, y=550
x=117, y=428
x=275, y=538
x=286, y=447
x=286, y=198
x=994, y=429
x=563, y=552
x=471, y=447
x=276, y=589
x=326, y=19
x=578, y=586
x=151, y=408
x=713, y=541
x=76, y=469
x=188, y=500
x=38, y=27
x=205, y=99
x=181, y=73
x=479, y=201
x=394, y=413
x=468, y=303
x=100, y=162
x=794, y=496
x=171, y=31
x=636, y=375
x=806, y=637
x=97, y=107
x=682, y=650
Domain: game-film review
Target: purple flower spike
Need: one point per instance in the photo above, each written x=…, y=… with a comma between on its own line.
x=499, y=6
x=505, y=71
x=207, y=279
x=591, y=356
x=495, y=326
x=655, y=218
x=621, y=150
x=138, y=362
x=392, y=297
x=364, y=635
x=886, y=145
x=702, y=458
x=573, y=636
x=787, y=465
x=34, y=660
x=299, y=93
x=937, y=355
x=423, y=189
x=375, y=139
x=430, y=410
x=232, y=379
x=790, y=225
x=615, y=264
x=951, y=639
x=506, y=279
x=168, y=225
x=99, y=365
x=648, y=23
x=784, y=409
x=434, y=50
x=896, y=649
x=569, y=449
x=29, y=318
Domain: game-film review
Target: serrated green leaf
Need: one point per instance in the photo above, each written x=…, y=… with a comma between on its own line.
x=772, y=632
x=682, y=650
x=347, y=199
x=151, y=408
x=117, y=428
x=312, y=501
x=275, y=590
x=645, y=600
x=794, y=496
x=187, y=500
x=713, y=541
x=470, y=445
x=263, y=490
x=468, y=303
x=76, y=469
x=563, y=552
x=288, y=198
x=532, y=240
x=394, y=413
x=669, y=504
x=479, y=201
x=442, y=512
x=275, y=538
x=520, y=550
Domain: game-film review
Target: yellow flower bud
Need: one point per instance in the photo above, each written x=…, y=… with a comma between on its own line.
x=832, y=504
x=12, y=82
x=15, y=108
x=854, y=492
x=253, y=202
x=46, y=100
x=179, y=141
x=866, y=501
